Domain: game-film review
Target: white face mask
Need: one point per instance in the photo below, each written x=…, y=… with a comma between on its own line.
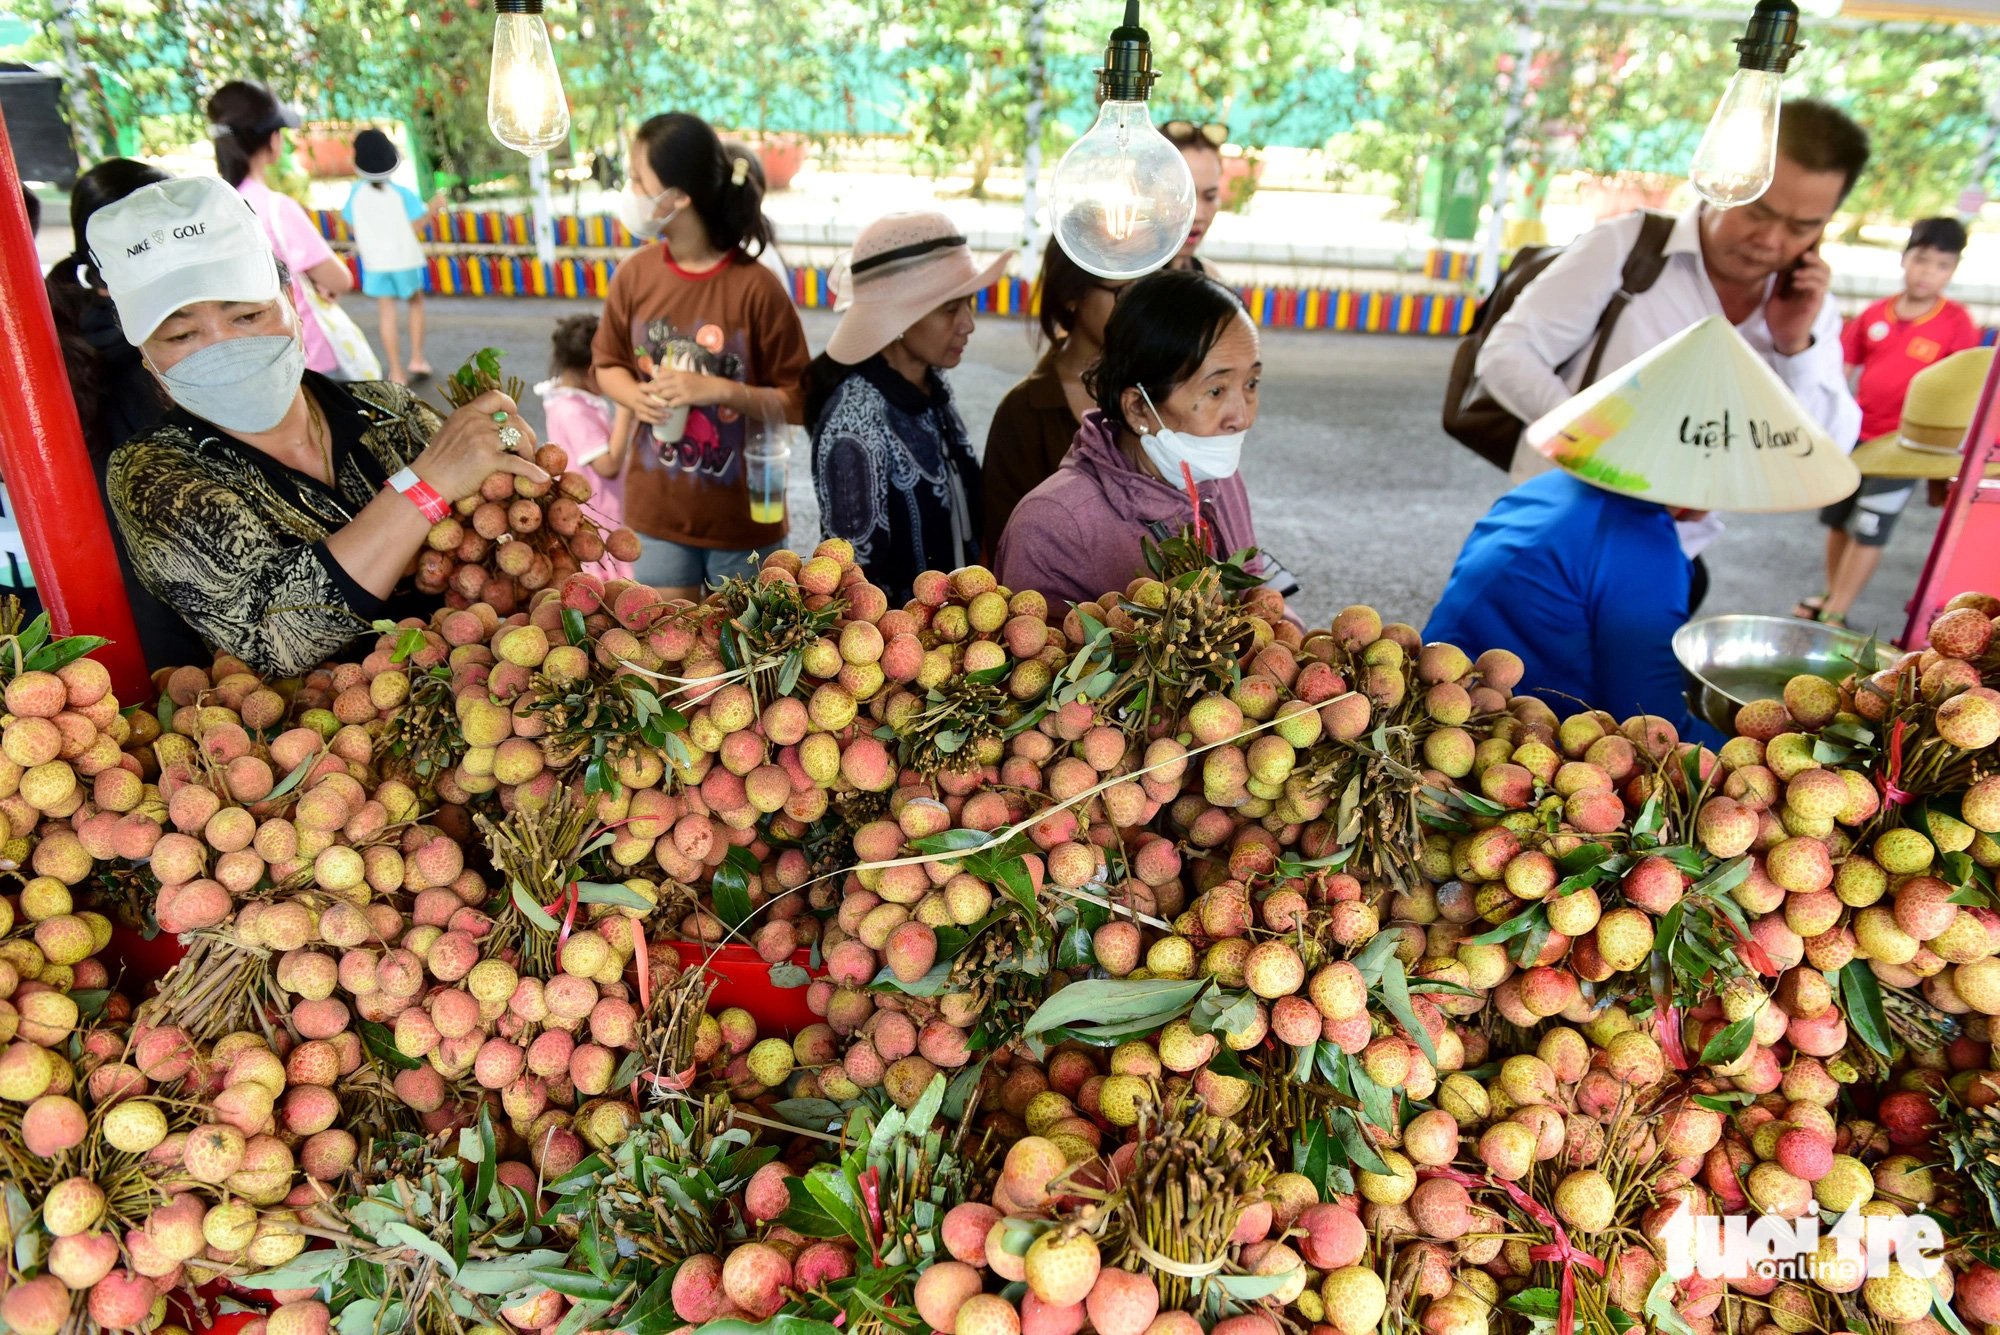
x=636, y=212
x=243, y=385
x=1208, y=458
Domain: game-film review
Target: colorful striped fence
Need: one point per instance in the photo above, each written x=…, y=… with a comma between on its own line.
x=1338, y=309
x=1342, y=310
x=463, y=227
x=522, y=275
x=1451, y=266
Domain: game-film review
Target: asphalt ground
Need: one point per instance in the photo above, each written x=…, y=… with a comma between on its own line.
x=1352, y=483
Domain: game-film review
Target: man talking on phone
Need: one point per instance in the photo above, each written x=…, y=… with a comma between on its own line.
x=1757, y=264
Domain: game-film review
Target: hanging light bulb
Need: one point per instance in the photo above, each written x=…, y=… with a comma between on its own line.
x=525, y=106
x=1123, y=197
x=1739, y=151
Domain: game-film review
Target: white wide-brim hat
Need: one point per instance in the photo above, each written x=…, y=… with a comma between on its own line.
x=901, y=269
x=174, y=243
x=1700, y=422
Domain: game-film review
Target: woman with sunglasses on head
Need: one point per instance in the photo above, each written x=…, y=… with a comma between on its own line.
x=1036, y=421
x=1201, y=145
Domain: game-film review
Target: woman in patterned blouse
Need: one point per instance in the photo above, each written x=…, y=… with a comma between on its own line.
x=892, y=466
x=275, y=511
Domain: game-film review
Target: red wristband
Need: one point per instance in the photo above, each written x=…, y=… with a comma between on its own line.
x=421, y=494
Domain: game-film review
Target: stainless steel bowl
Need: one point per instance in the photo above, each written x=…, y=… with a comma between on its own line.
x=1732, y=660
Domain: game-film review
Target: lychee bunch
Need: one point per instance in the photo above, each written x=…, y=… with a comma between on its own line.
x=515, y=536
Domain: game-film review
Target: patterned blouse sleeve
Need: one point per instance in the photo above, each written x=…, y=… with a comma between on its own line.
x=847, y=467
x=204, y=549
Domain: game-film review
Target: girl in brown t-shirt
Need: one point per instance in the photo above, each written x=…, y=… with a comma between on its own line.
x=701, y=343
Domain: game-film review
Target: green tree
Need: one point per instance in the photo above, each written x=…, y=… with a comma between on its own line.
x=964, y=65
x=1923, y=97
x=424, y=61
x=1266, y=68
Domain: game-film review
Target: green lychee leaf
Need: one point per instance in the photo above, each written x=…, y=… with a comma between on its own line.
x=532, y=911
x=1942, y=1310
x=1650, y=820
x=586, y=1288
x=1723, y=878
x=1249, y=1288
x=1583, y=858
x=788, y=975
x=1396, y=996
x=33, y=636
x=1542, y=1303
x=932, y=984
x=1732, y=1042
x=1104, y=1003
x=1861, y=999
x=1660, y=1308
x=1226, y=1062
x=951, y=841
x=380, y=1041
x=1354, y=1140
x=1073, y=948
x=290, y=781
x=1223, y=1012
x=1513, y=927
x=614, y=894
x=730, y=887
x=652, y=1312
x=1528, y=946
x=580, y=1317
x=1370, y=962
x=1290, y=867
x=61, y=653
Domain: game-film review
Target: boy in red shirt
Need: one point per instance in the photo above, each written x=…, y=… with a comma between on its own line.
x=1885, y=346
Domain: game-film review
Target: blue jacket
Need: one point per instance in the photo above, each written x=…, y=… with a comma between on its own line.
x=1588, y=587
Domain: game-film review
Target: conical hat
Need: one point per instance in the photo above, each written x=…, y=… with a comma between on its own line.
x=1700, y=422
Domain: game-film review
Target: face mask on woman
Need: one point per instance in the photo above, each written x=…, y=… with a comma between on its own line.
x=636, y=212
x=244, y=385
x=1208, y=458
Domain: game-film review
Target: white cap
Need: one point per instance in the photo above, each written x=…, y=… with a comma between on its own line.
x=173, y=243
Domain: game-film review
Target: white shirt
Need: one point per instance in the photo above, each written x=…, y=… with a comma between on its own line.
x=1536, y=356
x=384, y=221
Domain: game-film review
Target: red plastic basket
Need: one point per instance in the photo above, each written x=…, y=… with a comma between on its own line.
x=742, y=978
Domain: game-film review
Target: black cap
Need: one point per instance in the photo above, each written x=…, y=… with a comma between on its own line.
x=375, y=153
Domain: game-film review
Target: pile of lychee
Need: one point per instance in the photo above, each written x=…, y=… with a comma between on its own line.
x=158, y=1164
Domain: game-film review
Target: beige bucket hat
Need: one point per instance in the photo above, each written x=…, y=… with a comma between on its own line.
x=902, y=268
x=1930, y=441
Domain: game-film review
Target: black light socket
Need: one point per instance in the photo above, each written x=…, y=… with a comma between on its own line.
x=1128, y=74
x=1772, y=38
x=517, y=6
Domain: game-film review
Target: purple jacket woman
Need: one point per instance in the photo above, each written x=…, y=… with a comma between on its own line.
x=1176, y=394
x=1078, y=535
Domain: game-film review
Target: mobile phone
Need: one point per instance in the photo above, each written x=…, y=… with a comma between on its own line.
x=1785, y=279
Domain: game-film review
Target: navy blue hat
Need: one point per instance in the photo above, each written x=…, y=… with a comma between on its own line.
x=375, y=155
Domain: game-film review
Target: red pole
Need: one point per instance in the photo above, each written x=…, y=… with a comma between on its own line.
x=46, y=462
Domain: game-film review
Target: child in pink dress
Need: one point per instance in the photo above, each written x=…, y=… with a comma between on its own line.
x=583, y=422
